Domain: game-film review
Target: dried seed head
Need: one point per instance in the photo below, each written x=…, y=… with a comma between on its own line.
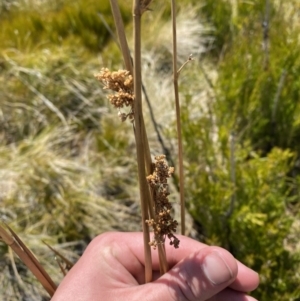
x=163, y=225
x=121, y=83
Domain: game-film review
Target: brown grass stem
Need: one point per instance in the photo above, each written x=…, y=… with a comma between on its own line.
x=178, y=122
x=185, y=63
x=68, y=263
x=124, y=49
x=164, y=267
x=147, y=156
x=28, y=259
x=139, y=134
x=121, y=34
x=143, y=151
x=128, y=65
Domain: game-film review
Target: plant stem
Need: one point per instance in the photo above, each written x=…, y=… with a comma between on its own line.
x=176, y=92
x=128, y=65
x=140, y=136
x=28, y=259
x=121, y=35
x=143, y=150
x=163, y=264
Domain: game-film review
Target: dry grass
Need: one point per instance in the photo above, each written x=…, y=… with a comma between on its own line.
x=51, y=192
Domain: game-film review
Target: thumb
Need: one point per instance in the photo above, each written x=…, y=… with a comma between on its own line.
x=196, y=278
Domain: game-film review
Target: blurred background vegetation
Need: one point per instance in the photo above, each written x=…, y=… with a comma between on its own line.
x=67, y=164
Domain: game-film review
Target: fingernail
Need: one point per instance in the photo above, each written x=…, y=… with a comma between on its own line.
x=216, y=269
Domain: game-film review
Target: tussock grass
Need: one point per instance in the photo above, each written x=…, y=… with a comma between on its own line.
x=49, y=193
x=49, y=86
x=192, y=34
x=62, y=177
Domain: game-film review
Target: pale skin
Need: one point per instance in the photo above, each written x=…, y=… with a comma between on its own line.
x=112, y=269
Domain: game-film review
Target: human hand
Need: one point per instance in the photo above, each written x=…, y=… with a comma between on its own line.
x=112, y=269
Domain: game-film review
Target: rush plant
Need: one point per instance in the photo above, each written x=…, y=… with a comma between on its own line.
x=127, y=98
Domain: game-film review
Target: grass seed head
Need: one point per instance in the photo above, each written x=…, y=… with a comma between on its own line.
x=121, y=83
x=163, y=225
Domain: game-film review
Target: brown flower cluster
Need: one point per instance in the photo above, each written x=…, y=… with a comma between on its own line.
x=163, y=225
x=121, y=82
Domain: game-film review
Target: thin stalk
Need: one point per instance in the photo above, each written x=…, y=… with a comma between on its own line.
x=125, y=52
x=178, y=122
x=232, y=176
x=185, y=63
x=67, y=262
x=149, y=169
x=28, y=259
x=140, y=137
x=138, y=119
x=163, y=264
x=128, y=65
x=121, y=35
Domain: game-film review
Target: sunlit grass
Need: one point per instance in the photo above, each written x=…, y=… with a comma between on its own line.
x=67, y=22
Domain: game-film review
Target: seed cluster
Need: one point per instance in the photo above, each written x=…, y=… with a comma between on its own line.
x=163, y=225
x=121, y=82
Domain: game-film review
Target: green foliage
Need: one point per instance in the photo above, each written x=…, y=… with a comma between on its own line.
x=72, y=23
x=259, y=90
x=242, y=147
x=219, y=15
x=249, y=217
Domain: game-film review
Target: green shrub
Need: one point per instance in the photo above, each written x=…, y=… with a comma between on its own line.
x=242, y=147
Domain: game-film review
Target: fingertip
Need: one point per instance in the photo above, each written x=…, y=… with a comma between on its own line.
x=219, y=266
x=247, y=280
